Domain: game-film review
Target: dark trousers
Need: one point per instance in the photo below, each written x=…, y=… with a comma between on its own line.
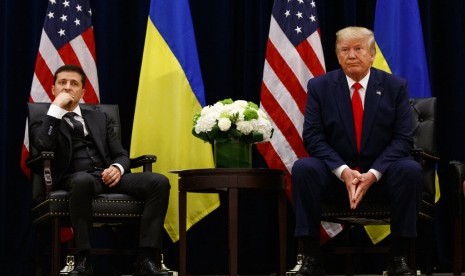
x=152, y=188
x=313, y=182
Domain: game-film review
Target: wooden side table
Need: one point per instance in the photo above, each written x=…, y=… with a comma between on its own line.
x=231, y=180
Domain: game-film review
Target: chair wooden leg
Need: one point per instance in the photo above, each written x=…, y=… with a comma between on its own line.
x=457, y=266
x=429, y=250
x=300, y=258
x=349, y=257
x=38, y=250
x=55, y=247
x=413, y=256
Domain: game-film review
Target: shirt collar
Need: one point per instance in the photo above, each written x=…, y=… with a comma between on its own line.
x=363, y=82
x=77, y=110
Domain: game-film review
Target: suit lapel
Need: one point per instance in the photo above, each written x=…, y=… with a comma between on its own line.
x=373, y=96
x=344, y=106
x=65, y=130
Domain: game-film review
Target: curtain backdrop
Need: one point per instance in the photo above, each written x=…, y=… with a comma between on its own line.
x=231, y=40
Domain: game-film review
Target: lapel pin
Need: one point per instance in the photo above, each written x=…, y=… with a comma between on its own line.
x=378, y=93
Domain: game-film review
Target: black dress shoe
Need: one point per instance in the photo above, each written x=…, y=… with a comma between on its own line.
x=147, y=267
x=399, y=267
x=82, y=267
x=310, y=267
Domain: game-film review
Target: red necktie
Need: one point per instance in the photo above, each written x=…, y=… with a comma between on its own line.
x=357, y=109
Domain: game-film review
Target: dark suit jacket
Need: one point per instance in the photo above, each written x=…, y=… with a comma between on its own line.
x=329, y=134
x=51, y=134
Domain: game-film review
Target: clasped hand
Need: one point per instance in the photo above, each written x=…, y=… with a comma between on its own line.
x=357, y=184
x=111, y=176
x=65, y=100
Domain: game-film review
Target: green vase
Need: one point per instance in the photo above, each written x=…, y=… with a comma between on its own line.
x=232, y=154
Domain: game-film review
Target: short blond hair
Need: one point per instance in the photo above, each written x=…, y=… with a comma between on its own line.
x=357, y=33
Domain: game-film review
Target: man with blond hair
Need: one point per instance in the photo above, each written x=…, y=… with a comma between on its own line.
x=358, y=134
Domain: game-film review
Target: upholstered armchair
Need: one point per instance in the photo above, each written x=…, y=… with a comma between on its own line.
x=376, y=211
x=50, y=207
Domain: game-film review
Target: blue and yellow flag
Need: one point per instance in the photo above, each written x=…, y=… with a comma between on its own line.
x=400, y=50
x=170, y=92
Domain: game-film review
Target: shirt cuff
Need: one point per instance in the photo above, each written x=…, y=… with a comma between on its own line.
x=121, y=169
x=376, y=173
x=338, y=171
x=56, y=111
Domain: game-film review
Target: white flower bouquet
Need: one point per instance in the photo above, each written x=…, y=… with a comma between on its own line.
x=232, y=120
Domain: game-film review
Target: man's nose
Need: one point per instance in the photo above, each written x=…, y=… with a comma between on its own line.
x=352, y=53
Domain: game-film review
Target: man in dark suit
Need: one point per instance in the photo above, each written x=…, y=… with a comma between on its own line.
x=358, y=134
x=89, y=160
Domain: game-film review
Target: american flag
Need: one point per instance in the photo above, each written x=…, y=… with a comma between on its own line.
x=294, y=55
x=67, y=38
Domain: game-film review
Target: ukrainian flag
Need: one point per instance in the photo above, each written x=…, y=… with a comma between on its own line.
x=170, y=92
x=400, y=50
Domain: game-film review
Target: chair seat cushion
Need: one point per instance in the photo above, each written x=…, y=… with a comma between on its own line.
x=369, y=212
x=104, y=206
x=374, y=212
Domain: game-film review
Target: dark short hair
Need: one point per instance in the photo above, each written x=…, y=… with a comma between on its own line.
x=71, y=68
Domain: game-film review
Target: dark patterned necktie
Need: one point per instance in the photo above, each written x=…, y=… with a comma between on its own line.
x=77, y=129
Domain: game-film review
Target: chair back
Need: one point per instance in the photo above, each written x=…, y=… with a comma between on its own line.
x=36, y=110
x=424, y=137
x=424, y=120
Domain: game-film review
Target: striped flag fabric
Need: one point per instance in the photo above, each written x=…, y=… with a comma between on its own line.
x=294, y=55
x=170, y=92
x=67, y=38
x=400, y=50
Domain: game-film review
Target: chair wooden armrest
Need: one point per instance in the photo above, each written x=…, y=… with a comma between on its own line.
x=43, y=160
x=144, y=161
x=457, y=178
x=33, y=160
x=421, y=155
